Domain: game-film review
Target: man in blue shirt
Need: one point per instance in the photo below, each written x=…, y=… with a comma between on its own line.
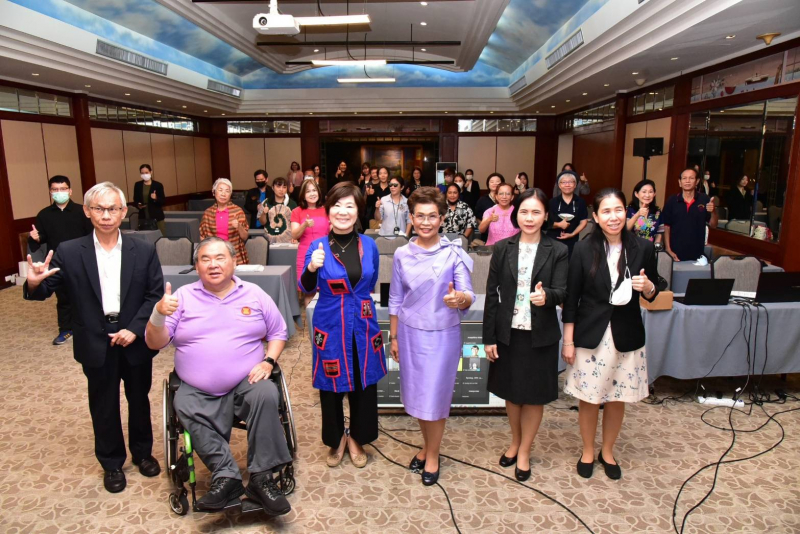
x=256, y=196
x=685, y=216
x=449, y=176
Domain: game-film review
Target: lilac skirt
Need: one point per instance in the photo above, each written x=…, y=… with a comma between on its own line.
x=428, y=366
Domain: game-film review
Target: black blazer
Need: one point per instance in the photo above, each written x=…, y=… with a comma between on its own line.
x=141, y=287
x=550, y=267
x=251, y=202
x=587, y=303
x=153, y=204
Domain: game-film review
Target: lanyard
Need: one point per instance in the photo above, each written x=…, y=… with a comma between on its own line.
x=570, y=204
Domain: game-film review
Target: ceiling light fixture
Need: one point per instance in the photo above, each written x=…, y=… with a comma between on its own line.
x=673, y=59
x=223, y=114
x=584, y=94
x=423, y=3
x=365, y=80
x=446, y=112
x=184, y=107
x=424, y=49
x=310, y=113
x=634, y=73
x=316, y=50
x=356, y=62
x=730, y=36
x=567, y=100
x=34, y=73
x=127, y=94
x=423, y=23
x=87, y=86
x=205, y=111
x=606, y=84
x=553, y=107
x=332, y=20
x=158, y=101
x=768, y=37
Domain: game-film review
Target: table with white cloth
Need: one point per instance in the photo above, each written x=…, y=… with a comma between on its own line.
x=188, y=228
x=683, y=271
x=148, y=235
x=276, y=281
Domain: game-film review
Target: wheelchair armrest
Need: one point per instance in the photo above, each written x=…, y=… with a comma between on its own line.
x=174, y=381
x=276, y=372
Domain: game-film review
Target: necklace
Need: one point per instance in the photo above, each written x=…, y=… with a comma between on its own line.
x=343, y=247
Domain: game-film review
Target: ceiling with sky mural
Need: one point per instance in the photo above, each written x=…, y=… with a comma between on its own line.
x=146, y=26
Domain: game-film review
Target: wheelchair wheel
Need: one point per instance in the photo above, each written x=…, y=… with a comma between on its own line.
x=169, y=428
x=287, y=480
x=291, y=433
x=179, y=504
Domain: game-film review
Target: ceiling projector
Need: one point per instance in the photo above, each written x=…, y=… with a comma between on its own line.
x=274, y=23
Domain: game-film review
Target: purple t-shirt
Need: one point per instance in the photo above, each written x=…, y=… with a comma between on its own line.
x=218, y=342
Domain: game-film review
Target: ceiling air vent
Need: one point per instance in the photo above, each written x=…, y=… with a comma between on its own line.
x=226, y=89
x=564, y=50
x=131, y=58
x=516, y=86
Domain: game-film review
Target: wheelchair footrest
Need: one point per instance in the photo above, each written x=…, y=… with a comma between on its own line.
x=246, y=505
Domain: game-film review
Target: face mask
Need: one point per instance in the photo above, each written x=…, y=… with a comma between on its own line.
x=460, y=185
x=61, y=197
x=309, y=177
x=622, y=295
x=145, y=177
x=469, y=177
x=707, y=177
x=260, y=184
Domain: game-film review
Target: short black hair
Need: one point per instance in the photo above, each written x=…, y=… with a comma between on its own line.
x=261, y=171
x=145, y=166
x=468, y=171
x=696, y=175
x=58, y=179
x=534, y=192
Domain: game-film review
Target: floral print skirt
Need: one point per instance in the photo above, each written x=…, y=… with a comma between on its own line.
x=605, y=375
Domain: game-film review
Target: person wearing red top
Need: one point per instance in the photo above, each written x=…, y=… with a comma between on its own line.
x=309, y=222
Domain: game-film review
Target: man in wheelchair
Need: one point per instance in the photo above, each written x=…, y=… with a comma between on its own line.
x=217, y=325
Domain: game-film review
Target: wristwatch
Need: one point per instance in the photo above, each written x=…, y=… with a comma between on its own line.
x=270, y=361
x=391, y=337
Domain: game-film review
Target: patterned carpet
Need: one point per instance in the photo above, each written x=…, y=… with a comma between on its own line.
x=51, y=482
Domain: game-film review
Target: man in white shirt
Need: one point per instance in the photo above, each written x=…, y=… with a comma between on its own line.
x=113, y=282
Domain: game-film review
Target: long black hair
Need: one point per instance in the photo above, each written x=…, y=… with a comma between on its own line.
x=597, y=239
x=653, y=207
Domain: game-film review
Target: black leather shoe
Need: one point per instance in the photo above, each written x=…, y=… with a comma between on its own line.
x=585, y=469
x=613, y=471
x=148, y=466
x=114, y=481
x=505, y=461
x=263, y=488
x=429, y=479
x=521, y=475
x=222, y=490
x=416, y=464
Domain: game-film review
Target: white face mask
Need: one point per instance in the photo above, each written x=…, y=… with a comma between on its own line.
x=146, y=177
x=707, y=176
x=622, y=295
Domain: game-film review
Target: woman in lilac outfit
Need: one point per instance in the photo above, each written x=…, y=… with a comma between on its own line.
x=430, y=284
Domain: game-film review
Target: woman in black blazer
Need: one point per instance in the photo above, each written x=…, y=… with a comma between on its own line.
x=149, y=204
x=603, y=329
x=527, y=280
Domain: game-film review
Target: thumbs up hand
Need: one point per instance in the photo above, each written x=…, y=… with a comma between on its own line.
x=34, y=233
x=641, y=283
x=309, y=222
x=317, y=259
x=538, y=297
x=453, y=297
x=168, y=303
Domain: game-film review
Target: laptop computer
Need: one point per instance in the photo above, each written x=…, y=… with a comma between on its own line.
x=707, y=292
x=778, y=287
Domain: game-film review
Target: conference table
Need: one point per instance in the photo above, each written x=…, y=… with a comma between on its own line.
x=148, y=235
x=188, y=228
x=184, y=214
x=687, y=342
x=683, y=271
x=202, y=204
x=276, y=281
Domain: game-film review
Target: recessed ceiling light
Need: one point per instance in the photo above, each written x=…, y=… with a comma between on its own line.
x=606, y=84
x=423, y=23
x=492, y=112
x=722, y=111
x=400, y=112
x=316, y=50
x=660, y=109
x=158, y=101
x=584, y=94
x=634, y=73
x=355, y=113
x=446, y=112
x=34, y=73
x=568, y=100
x=266, y=113
x=423, y=3
x=310, y=113
x=552, y=107
x=650, y=93
x=729, y=36
x=673, y=59
x=127, y=94
x=184, y=107
x=87, y=86
x=222, y=114
x=424, y=49
x=205, y=111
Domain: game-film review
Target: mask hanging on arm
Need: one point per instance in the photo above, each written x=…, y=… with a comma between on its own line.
x=623, y=293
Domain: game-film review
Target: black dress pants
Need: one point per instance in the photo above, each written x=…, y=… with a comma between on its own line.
x=363, y=411
x=109, y=442
x=64, y=310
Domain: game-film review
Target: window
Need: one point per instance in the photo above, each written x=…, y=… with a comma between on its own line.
x=655, y=100
x=34, y=102
x=140, y=117
x=497, y=125
x=263, y=127
x=379, y=126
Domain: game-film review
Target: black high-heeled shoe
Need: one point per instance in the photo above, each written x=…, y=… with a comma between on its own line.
x=429, y=479
x=416, y=464
x=505, y=461
x=613, y=471
x=585, y=469
x=521, y=475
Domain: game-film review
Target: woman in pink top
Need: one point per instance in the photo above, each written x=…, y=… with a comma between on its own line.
x=294, y=176
x=309, y=222
x=497, y=219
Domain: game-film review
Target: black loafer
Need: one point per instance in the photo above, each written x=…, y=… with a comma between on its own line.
x=416, y=464
x=585, y=469
x=429, y=479
x=613, y=471
x=505, y=461
x=223, y=489
x=114, y=481
x=521, y=475
x=148, y=466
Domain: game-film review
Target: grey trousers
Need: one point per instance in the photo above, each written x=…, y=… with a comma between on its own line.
x=209, y=420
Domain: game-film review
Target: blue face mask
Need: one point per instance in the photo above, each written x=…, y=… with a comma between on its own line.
x=62, y=197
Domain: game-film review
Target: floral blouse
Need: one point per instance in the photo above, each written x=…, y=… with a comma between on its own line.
x=457, y=221
x=646, y=227
x=521, y=320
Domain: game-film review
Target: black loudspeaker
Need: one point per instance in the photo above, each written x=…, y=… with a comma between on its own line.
x=646, y=147
x=701, y=146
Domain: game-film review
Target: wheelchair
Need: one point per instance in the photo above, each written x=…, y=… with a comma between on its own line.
x=180, y=467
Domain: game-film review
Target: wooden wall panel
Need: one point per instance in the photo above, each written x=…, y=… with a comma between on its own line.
x=61, y=156
x=202, y=164
x=246, y=155
x=280, y=152
x=592, y=155
x=656, y=167
x=109, y=158
x=163, y=150
x=478, y=154
x=184, y=164
x=137, y=151
x=515, y=155
x=27, y=170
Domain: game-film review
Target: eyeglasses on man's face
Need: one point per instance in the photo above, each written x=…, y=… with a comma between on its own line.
x=422, y=217
x=99, y=210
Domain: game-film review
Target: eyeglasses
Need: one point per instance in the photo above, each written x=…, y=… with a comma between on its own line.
x=421, y=218
x=394, y=185
x=113, y=210
x=505, y=194
x=59, y=190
